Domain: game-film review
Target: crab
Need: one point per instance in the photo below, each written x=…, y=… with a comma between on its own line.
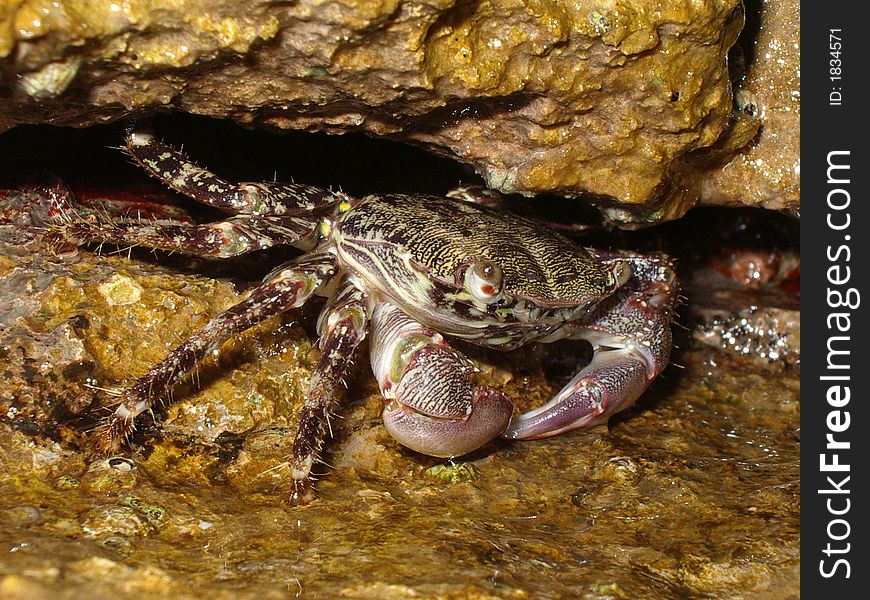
x=411, y=271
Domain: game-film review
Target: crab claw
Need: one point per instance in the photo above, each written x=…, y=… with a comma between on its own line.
x=489, y=417
x=632, y=342
x=431, y=405
x=611, y=382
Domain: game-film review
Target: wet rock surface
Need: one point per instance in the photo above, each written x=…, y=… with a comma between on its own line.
x=694, y=491
x=766, y=172
x=613, y=101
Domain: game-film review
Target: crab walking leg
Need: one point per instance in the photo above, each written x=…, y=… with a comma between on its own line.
x=286, y=288
x=342, y=327
x=181, y=174
x=632, y=342
x=431, y=405
x=477, y=194
x=222, y=239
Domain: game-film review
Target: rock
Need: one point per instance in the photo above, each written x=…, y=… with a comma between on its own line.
x=595, y=99
x=114, y=520
x=766, y=173
x=770, y=335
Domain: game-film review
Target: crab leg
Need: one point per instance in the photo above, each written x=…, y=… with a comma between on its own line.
x=483, y=196
x=222, y=239
x=632, y=342
x=288, y=287
x=431, y=405
x=268, y=214
x=342, y=327
x=178, y=172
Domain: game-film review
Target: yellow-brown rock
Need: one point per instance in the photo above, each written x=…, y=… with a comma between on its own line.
x=767, y=172
x=599, y=98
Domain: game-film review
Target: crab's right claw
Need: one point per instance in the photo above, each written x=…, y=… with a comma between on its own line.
x=431, y=405
x=488, y=417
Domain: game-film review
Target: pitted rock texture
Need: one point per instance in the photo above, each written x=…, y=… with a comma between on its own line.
x=599, y=98
x=766, y=172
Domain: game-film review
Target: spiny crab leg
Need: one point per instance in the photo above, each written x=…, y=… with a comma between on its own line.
x=222, y=239
x=632, y=342
x=342, y=327
x=264, y=214
x=431, y=405
x=177, y=171
x=286, y=288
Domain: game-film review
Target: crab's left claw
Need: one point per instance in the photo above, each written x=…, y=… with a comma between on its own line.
x=431, y=405
x=632, y=342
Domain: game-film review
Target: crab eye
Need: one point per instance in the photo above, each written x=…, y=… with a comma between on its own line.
x=484, y=281
x=620, y=273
